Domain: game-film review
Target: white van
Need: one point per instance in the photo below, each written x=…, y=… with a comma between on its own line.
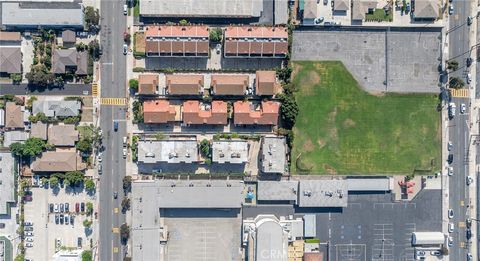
x=125, y=7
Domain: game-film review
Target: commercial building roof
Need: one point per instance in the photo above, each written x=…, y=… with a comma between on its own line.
x=230, y=151
x=10, y=36
x=10, y=137
x=39, y=130
x=427, y=9
x=247, y=113
x=64, y=60
x=169, y=151
x=341, y=5
x=195, y=193
x=10, y=60
x=184, y=84
x=173, y=40
x=62, y=135
x=57, y=108
x=323, y=193
x=147, y=84
x=310, y=225
x=42, y=14
x=234, y=84
x=369, y=184
x=58, y=161
x=68, y=36
x=158, y=111
x=14, y=116
x=266, y=83
x=195, y=113
x=281, y=12
x=68, y=255
x=285, y=190
x=7, y=181
x=258, y=42
x=201, y=8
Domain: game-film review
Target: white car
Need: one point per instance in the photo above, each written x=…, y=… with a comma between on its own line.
x=451, y=9
x=451, y=227
x=55, y=208
x=29, y=245
x=450, y=171
x=100, y=157
x=125, y=9
x=29, y=234
x=450, y=213
x=450, y=241
x=450, y=146
x=469, y=78
x=124, y=153
x=28, y=223
x=125, y=49
x=469, y=180
x=125, y=141
x=463, y=108
x=29, y=239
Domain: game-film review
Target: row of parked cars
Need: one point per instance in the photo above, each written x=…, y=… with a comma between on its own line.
x=65, y=208
x=64, y=219
x=28, y=233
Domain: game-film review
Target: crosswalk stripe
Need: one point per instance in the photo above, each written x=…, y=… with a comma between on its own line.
x=461, y=224
x=94, y=89
x=113, y=101
x=116, y=230
x=460, y=93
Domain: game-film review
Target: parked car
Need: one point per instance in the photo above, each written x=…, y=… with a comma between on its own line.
x=450, y=171
x=51, y=208
x=62, y=208
x=28, y=229
x=124, y=153
x=29, y=234
x=469, y=180
x=451, y=109
x=469, y=61
x=29, y=239
x=463, y=108
x=100, y=157
x=115, y=194
x=469, y=257
x=100, y=169
x=450, y=213
x=57, y=219
x=71, y=220
x=125, y=9
x=125, y=49
x=79, y=242
x=115, y=125
x=61, y=219
x=29, y=245
x=451, y=9
x=469, y=222
x=450, y=146
x=450, y=158
x=451, y=227
x=468, y=233
x=77, y=207
x=82, y=207
x=58, y=242
x=55, y=208
x=435, y=253
x=125, y=141
x=469, y=78
x=67, y=219
x=28, y=223
x=67, y=207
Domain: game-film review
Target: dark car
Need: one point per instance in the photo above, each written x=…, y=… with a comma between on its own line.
x=469, y=233
x=77, y=207
x=61, y=219
x=71, y=220
x=57, y=219
x=79, y=242
x=62, y=208
x=82, y=207
x=450, y=158
x=67, y=207
x=469, y=61
x=115, y=125
x=51, y=207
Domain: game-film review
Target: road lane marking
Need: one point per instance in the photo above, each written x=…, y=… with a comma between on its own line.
x=461, y=224
x=115, y=210
x=462, y=203
x=115, y=250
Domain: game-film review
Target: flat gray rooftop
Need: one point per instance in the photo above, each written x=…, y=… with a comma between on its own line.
x=230, y=151
x=394, y=61
x=171, y=151
x=201, y=8
x=277, y=190
x=323, y=193
x=369, y=184
x=7, y=181
x=274, y=154
x=41, y=14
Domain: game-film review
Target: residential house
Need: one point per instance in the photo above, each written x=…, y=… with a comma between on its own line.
x=168, y=151
x=230, y=151
x=234, y=84
x=7, y=182
x=266, y=83
x=173, y=40
x=247, y=113
x=69, y=60
x=184, y=84
x=196, y=113
x=148, y=84
x=256, y=42
x=341, y=5
x=58, y=161
x=160, y=111
x=14, y=116
x=310, y=12
x=39, y=130
x=274, y=155
x=361, y=7
x=10, y=38
x=427, y=10
x=13, y=136
x=10, y=60
x=62, y=135
x=57, y=108
x=68, y=38
x=42, y=14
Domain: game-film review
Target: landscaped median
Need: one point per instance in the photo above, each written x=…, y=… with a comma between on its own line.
x=342, y=129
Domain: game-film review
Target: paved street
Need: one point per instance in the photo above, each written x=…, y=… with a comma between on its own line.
x=113, y=84
x=67, y=89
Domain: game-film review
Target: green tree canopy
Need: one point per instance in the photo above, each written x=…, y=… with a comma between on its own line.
x=133, y=83
x=216, y=34
x=53, y=181
x=205, y=148
x=85, y=145
x=33, y=147
x=74, y=177
x=87, y=255
x=17, y=149
x=89, y=184
x=289, y=110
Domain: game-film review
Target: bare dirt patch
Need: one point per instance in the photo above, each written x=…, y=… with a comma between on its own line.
x=330, y=170
x=348, y=123
x=321, y=143
x=308, y=146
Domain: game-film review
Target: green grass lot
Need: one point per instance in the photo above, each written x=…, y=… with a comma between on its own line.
x=342, y=129
x=379, y=15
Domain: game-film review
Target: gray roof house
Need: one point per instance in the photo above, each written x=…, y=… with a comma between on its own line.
x=43, y=14
x=341, y=5
x=68, y=36
x=7, y=184
x=10, y=60
x=310, y=11
x=361, y=7
x=58, y=108
x=427, y=9
x=64, y=60
x=62, y=135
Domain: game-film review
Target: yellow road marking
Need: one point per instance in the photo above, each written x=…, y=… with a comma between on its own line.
x=115, y=230
x=113, y=101
x=462, y=244
x=462, y=203
x=461, y=93
x=461, y=224
x=115, y=250
x=94, y=89
x=115, y=210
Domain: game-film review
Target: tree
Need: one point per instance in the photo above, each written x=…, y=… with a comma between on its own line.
x=159, y=136
x=452, y=65
x=74, y=177
x=30, y=101
x=216, y=34
x=288, y=109
x=124, y=232
x=20, y=257
x=94, y=49
x=137, y=112
x=17, y=149
x=58, y=81
x=89, y=185
x=87, y=255
x=92, y=16
x=183, y=22
x=87, y=223
x=53, y=181
x=39, y=75
x=81, y=47
x=205, y=148
x=85, y=145
x=16, y=78
x=456, y=83
x=89, y=208
x=127, y=183
x=125, y=204
x=284, y=74
x=133, y=83
x=33, y=147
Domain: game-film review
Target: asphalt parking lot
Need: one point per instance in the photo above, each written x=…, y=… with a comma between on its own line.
x=395, y=60
x=46, y=231
x=203, y=234
x=373, y=227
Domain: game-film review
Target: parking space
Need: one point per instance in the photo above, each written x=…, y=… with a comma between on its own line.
x=47, y=233
x=381, y=60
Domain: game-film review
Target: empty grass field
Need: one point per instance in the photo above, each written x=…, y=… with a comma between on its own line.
x=342, y=129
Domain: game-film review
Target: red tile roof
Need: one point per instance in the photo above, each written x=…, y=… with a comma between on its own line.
x=245, y=41
x=158, y=111
x=184, y=84
x=229, y=84
x=170, y=40
x=266, y=83
x=147, y=83
x=246, y=113
x=193, y=114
